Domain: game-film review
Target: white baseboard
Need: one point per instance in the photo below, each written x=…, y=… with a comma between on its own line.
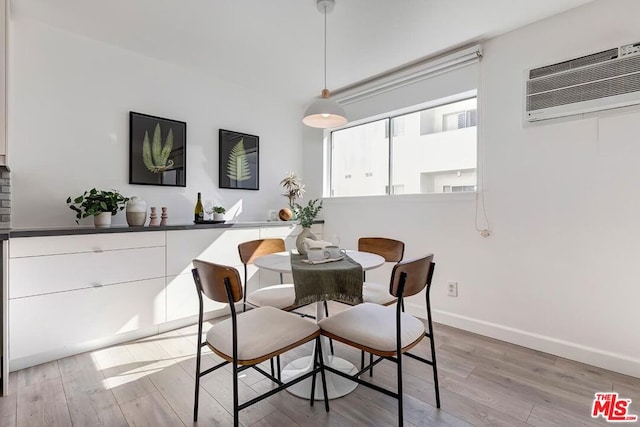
x=578, y=352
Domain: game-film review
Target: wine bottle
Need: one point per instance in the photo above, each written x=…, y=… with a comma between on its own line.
x=198, y=211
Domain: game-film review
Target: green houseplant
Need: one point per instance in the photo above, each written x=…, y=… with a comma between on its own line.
x=218, y=213
x=96, y=202
x=306, y=215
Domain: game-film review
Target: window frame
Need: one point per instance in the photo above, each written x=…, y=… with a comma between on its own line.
x=389, y=116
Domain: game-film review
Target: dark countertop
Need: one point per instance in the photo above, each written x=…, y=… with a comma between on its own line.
x=68, y=231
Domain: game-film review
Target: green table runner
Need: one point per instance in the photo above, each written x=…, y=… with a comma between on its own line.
x=332, y=280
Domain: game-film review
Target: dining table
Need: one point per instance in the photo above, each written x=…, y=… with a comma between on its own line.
x=337, y=386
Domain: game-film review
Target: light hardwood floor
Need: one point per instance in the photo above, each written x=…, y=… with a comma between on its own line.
x=149, y=382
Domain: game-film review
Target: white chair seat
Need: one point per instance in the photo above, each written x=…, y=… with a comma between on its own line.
x=278, y=296
x=261, y=332
x=373, y=326
x=377, y=293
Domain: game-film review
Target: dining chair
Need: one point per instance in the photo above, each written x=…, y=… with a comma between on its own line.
x=389, y=332
x=247, y=339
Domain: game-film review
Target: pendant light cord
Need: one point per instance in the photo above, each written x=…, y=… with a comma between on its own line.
x=325, y=46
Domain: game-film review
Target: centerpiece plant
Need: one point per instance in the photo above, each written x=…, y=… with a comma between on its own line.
x=306, y=215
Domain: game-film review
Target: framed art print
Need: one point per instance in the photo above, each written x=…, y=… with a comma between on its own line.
x=239, y=160
x=157, y=151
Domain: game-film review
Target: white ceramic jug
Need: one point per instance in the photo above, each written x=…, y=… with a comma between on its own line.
x=136, y=212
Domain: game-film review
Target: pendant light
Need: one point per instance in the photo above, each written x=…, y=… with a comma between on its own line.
x=323, y=112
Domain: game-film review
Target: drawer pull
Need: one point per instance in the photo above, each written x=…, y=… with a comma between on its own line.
x=97, y=285
x=98, y=251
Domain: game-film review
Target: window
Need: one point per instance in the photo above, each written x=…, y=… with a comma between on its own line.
x=427, y=151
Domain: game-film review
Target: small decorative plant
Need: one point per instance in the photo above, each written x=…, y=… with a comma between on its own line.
x=219, y=210
x=294, y=188
x=307, y=214
x=94, y=202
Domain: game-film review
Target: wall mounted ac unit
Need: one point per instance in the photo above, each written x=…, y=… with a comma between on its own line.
x=599, y=81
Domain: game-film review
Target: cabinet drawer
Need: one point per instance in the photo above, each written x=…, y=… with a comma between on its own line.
x=56, y=273
x=47, y=323
x=50, y=245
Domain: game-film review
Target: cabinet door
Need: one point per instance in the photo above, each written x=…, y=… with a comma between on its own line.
x=214, y=245
x=56, y=273
x=182, y=299
x=51, y=323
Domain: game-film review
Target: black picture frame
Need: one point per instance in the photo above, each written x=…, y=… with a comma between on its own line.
x=158, y=163
x=239, y=156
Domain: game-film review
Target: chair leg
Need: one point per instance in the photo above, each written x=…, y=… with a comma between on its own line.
x=313, y=377
x=323, y=376
x=273, y=372
x=278, y=365
x=197, y=391
x=400, y=406
x=361, y=359
x=371, y=363
x=236, y=411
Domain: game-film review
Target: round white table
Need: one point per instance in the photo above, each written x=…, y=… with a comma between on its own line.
x=336, y=386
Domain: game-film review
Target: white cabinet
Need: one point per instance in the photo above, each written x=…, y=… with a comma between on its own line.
x=214, y=245
x=68, y=291
x=73, y=293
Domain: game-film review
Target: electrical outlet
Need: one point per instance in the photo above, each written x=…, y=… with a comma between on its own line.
x=452, y=289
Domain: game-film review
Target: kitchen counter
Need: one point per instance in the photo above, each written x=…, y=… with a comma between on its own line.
x=69, y=231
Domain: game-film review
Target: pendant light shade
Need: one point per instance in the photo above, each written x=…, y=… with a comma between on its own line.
x=323, y=112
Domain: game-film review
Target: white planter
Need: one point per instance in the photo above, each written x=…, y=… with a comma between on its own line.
x=102, y=220
x=218, y=217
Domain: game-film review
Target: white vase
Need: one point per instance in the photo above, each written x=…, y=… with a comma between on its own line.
x=136, y=212
x=102, y=220
x=305, y=233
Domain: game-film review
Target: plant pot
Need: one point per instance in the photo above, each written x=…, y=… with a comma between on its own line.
x=102, y=220
x=305, y=233
x=218, y=216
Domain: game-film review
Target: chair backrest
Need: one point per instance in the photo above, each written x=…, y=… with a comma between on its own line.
x=211, y=281
x=418, y=271
x=391, y=250
x=253, y=249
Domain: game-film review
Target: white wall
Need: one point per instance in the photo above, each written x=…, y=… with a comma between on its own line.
x=559, y=272
x=69, y=106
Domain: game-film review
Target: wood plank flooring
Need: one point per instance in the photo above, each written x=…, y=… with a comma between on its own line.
x=149, y=382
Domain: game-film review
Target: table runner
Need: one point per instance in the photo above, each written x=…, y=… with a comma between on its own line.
x=320, y=282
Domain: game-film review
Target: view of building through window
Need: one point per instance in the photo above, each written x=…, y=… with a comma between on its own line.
x=431, y=151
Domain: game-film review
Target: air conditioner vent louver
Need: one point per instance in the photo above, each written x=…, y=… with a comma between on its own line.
x=595, y=82
x=573, y=63
x=587, y=92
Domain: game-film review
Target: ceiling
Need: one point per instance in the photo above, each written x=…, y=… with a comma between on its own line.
x=276, y=46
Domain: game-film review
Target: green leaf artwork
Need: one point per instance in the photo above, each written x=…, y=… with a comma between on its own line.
x=154, y=155
x=238, y=165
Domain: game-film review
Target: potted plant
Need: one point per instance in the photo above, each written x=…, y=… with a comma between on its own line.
x=218, y=213
x=306, y=215
x=100, y=204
